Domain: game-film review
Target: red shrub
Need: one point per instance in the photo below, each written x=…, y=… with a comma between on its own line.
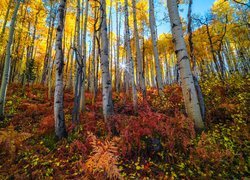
x=47, y=124
x=148, y=126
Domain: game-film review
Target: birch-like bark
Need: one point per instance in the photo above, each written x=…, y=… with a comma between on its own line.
x=187, y=83
x=118, y=29
x=79, y=79
x=60, y=128
x=92, y=73
x=82, y=103
x=110, y=40
x=50, y=70
x=7, y=63
x=106, y=79
x=138, y=53
x=130, y=58
x=155, y=49
x=192, y=58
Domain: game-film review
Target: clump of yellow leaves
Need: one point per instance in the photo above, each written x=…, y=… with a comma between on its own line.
x=103, y=161
x=11, y=140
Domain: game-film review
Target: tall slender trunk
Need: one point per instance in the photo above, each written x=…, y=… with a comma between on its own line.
x=82, y=104
x=106, y=79
x=30, y=52
x=192, y=58
x=110, y=39
x=187, y=82
x=17, y=49
x=79, y=66
x=130, y=58
x=7, y=64
x=212, y=50
x=48, y=45
x=50, y=59
x=68, y=60
x=155, y=49
x=118, y=29
x=70, y=82
x=93, y=69
x=167, y=81
x=138, y=53
x=98, y=57
x=89, y=66
x=60, y=128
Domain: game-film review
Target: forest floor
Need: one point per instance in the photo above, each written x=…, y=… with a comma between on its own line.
x=159, y=142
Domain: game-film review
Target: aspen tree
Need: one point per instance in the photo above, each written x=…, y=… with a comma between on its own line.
x=84, y=45
x=106, y=79
x=60, y=128
x=138, y=53
x=7, y=64
x=187, y=83
x=130, y=58
x=155, y=48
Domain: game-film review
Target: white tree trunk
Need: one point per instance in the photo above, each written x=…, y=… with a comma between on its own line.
x=130, y=58
x=155, y=48
x=60, y=128
x=118, y=29
x=187, y=82
x=82, y=104
x=92, y=72
x=138, y=53
x=7, y=64
x=106, y=79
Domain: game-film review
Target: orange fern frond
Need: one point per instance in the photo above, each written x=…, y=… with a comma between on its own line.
x=104, y=159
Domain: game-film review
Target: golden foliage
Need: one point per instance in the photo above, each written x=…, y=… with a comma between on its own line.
x=12, y=139
x=103, y=161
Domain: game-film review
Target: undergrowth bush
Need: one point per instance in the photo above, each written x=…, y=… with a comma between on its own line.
x=169, y=101
x=157, y=142
x=11, y=140
x=151, y=131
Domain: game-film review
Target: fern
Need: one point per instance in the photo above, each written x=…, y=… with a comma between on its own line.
x=103, y=161
x=12, y=139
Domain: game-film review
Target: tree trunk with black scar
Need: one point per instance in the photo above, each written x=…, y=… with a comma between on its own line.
x=138, y=53
x=155, y=48
x=93, y=69
x=106, y=79
x=79, y=67
x=7, y=63
x=192, y=58
x=84, y=45
x=60, y=128
x=130, y=58
x=187, y=82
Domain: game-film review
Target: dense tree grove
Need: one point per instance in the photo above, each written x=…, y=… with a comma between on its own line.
x=124, y=89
